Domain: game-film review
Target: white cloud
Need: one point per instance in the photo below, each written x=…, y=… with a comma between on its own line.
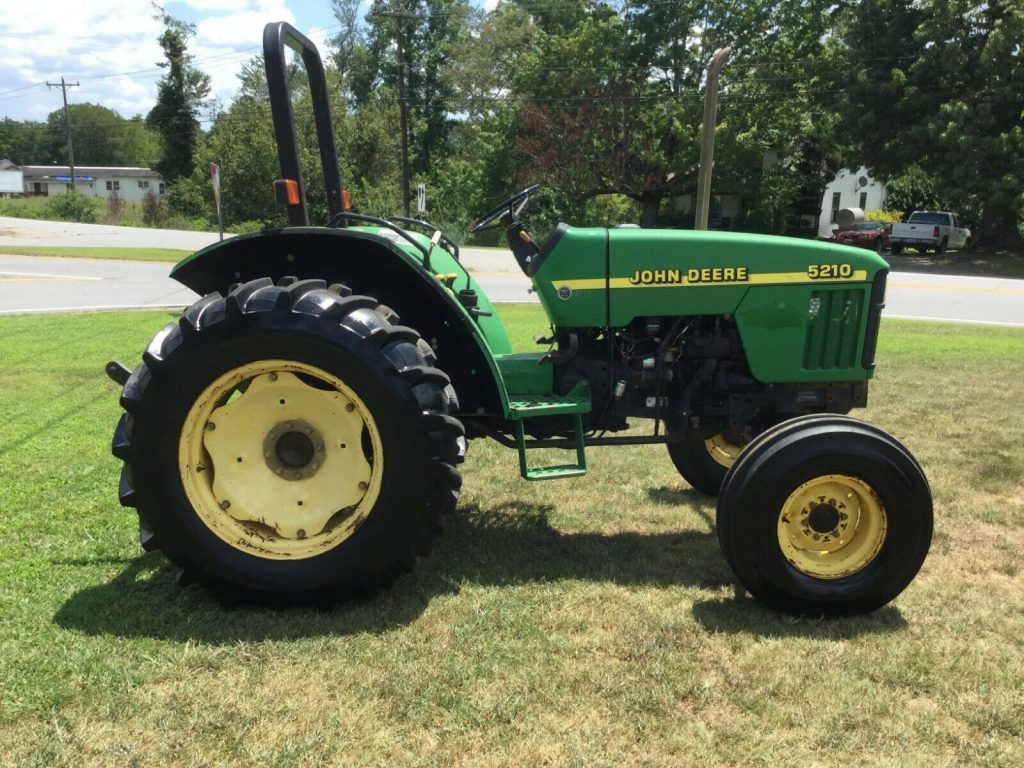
x=110, y=48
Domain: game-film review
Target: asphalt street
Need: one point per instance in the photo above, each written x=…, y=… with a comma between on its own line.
x=44, y=284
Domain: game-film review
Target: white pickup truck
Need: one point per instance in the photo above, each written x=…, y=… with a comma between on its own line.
x=929, y=230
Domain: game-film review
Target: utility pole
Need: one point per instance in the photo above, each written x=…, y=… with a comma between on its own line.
x=67, y=122
x=403, y=101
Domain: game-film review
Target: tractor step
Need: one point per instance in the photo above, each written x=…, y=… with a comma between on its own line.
x=523, y=406
x=558, y=471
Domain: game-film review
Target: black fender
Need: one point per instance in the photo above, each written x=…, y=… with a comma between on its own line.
x=369, y=265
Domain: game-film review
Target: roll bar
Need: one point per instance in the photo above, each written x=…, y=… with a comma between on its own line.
x=276, y=36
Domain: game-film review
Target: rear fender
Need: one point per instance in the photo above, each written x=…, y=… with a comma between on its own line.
x=371, y=266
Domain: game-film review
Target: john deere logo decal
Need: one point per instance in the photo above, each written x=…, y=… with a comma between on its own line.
x=689, y=276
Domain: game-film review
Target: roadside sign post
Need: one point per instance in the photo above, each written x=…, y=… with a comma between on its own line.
x=215, y=180
x=421, y=198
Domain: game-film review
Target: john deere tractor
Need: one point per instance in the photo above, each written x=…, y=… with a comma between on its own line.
x=296, y=435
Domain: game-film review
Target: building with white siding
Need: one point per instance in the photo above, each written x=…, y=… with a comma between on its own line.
x=130, y=184
x=849, y=189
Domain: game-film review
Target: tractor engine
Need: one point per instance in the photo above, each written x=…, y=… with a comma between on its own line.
x=689, y=373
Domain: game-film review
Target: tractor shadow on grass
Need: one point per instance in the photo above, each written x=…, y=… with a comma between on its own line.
x=505, y=545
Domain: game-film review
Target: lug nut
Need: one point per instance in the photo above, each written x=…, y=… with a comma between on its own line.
x=225, y=504
x=350, y=407
x=363, y=486
x=211, y=426
x=273, y=377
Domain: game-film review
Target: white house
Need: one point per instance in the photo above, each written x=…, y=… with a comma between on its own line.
x=130, y=184
x=849, y=189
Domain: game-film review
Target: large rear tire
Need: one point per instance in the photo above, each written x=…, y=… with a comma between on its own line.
x=289, y=443
x=825, y=515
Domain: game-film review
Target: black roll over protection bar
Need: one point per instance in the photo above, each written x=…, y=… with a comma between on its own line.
x=276, y=36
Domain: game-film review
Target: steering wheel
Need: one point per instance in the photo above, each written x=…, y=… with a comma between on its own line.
x=511, y=207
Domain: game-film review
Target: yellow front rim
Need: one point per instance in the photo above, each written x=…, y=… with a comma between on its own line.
x=832, y=526
x=722, y=451
x=280, y=459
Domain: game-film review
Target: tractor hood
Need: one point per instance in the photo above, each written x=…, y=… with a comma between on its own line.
x=595, y=277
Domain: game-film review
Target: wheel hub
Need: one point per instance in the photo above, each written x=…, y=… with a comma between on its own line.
x=832, y=526
x=824, y=518
x=294, y=449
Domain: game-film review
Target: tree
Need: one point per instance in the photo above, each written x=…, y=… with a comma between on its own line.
x=101, y=137
x=613, y=103
x=25, y=143
x=180, y=95
x=941, y=85
x=429, y=30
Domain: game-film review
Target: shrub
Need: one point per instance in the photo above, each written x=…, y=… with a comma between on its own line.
x=154, y=211
x=115, y=208
x=72, y=206
x=875, y=214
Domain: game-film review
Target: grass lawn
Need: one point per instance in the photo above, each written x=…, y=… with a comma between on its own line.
x=589, y=622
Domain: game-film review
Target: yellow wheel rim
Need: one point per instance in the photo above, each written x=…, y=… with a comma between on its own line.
x=832, y=526
x=280, y=459
x=722, y=451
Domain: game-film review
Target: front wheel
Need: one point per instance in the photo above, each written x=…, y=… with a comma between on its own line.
x=825, y=515
x=289, y=442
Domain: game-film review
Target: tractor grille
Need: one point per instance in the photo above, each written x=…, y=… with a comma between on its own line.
x=833, y=329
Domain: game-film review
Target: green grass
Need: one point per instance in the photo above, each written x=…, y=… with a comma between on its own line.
x=585, y=623
x=24, y=207
x=130, y=215
x=132, y=254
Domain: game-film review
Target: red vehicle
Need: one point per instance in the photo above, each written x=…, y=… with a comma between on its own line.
x=867, y=234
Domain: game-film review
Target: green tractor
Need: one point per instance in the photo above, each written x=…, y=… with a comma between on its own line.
x=296, y=436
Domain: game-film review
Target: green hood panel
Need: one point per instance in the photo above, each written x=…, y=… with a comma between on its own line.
x=651, y=272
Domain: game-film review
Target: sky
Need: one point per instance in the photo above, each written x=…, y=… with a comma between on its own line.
x=110, y=47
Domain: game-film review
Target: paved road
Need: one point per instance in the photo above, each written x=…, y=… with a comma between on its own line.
x=14, y=232
x=42, y=284
x=986, y=300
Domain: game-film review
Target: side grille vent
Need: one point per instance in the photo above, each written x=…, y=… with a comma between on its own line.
x=833, y=324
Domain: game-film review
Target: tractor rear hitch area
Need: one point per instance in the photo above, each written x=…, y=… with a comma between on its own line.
x=117, y=372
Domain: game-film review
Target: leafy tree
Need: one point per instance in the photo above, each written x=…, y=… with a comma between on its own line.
x=101, y=137
x=614, y=102
x=915, y=190
x=180, y=94
x=368, y=59
x=25, y=143
x=941, y=85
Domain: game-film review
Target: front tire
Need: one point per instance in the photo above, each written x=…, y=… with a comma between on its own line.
x=825, y=515
x=289, y=443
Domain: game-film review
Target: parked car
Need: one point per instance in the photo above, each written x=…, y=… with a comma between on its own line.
x=866, y=234
x=929, y=230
